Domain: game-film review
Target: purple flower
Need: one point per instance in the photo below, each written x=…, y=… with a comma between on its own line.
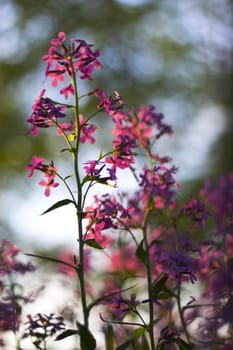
x=122, y=155
x=197, y=211
x=9, y=261
x=44, y=113
x=219, y=196
x=48, y=170
x=159, y=182
x=177, y=264
x=96, y=169
x=77, y=56
x=121, y=307
x=42, y=326
x=9, y=316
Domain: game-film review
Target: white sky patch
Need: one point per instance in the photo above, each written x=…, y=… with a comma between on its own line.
x=132, y=3
x=198, y=140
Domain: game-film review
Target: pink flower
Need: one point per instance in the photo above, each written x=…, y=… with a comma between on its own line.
x=66, y=127
x=36, y=165
x=49, y=171
x=68, y=90
x=48, y=183
x=57, y=75
x=44, y=113
x=69, y=59
x=86, y=134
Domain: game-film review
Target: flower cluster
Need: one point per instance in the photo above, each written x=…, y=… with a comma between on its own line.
x=104, y=214
x=44, y=114
x=69, y=59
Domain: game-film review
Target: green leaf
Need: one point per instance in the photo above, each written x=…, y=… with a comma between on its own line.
x=87, y=340
x=125, y=345
x=160, y=284
x=92, y=243
x=141, y=253
x=139, y=332
x=68, y=176
x=67, y=333
x=58, y=205
x=86, y=179
x=100, y=154
x=164, y=295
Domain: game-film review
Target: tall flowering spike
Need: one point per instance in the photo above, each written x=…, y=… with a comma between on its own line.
x=67, y=59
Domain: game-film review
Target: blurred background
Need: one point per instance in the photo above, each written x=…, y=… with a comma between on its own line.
x=176, y=55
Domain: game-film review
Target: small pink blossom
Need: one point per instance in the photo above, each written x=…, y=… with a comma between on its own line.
x=68, y=90
x=37, y=163
x=48, y=183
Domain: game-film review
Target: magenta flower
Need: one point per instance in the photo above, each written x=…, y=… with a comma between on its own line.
x=86, y=134
x=47, y=169
x=144, y=126
x=219, y=196
x=10, y=261
x=48, y=183
x=44, y=113
x=121, y=307
x=37, y=164
x=68, y=90
x=178, y=265
x=111, y=104
x=96, y=170
x=197, y=212
x=69, y=59
x=123, y=156
x=9, y=316
x=159, y=182
x=102, y=216
x=42, y=326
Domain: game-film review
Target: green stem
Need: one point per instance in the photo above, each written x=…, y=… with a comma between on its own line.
x=149, y=282
x=79, y=206
x=181, y=313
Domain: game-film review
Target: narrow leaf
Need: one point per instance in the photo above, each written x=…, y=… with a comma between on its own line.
x=141, y=253
x=67, y=333
x=139, y=332
x=183, y=345
x=100, y=154
x=58, y=205
x=92, y=243
x=125, y=345
x=164, y=295
x=160, y=284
